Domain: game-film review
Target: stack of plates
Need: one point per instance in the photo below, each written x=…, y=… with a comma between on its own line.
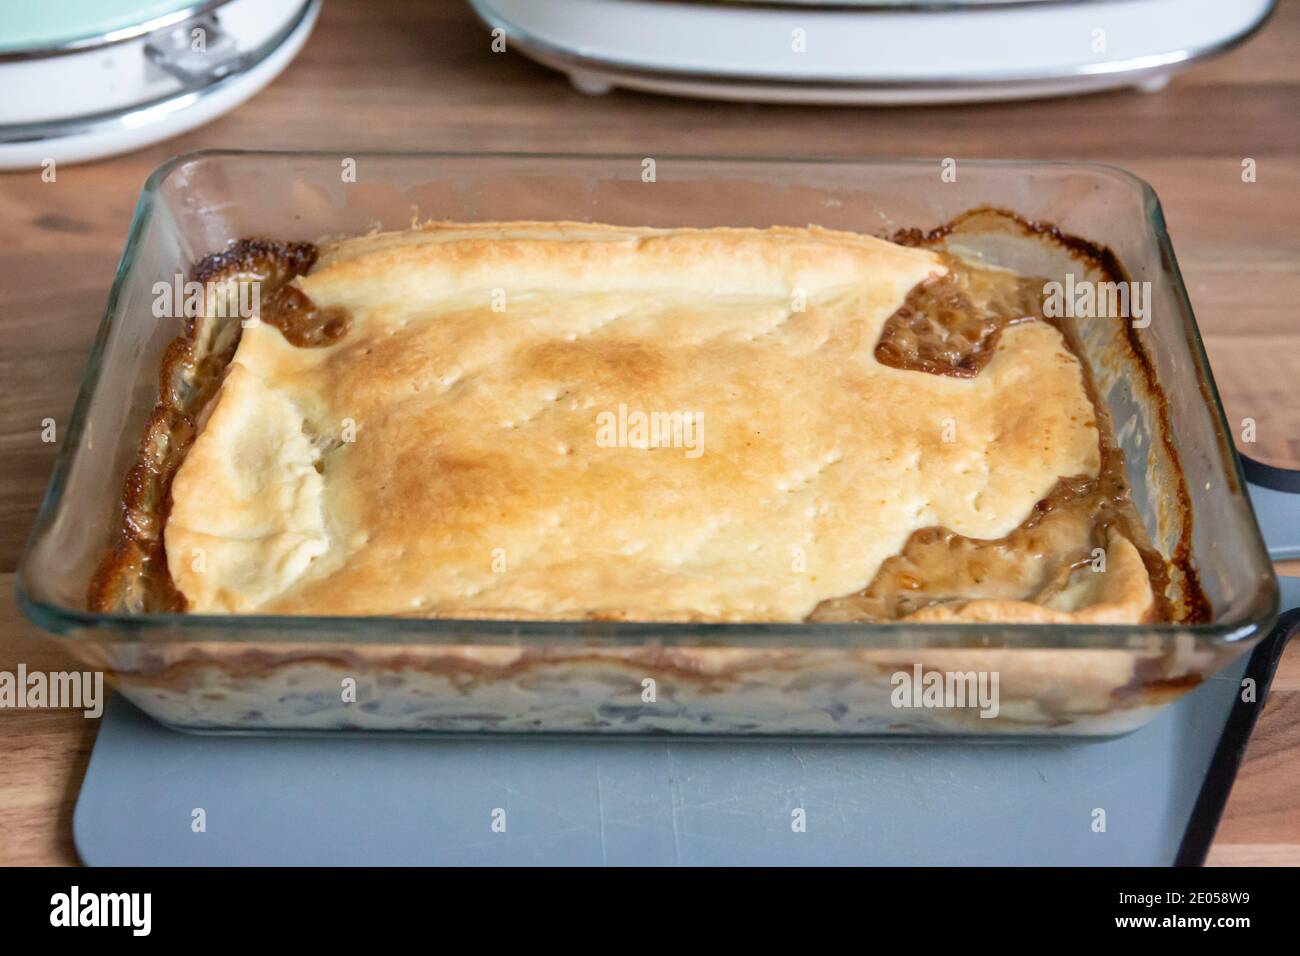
x=89, y=78
x=888, y=52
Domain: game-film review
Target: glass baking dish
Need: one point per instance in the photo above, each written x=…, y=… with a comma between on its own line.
x=251, y=674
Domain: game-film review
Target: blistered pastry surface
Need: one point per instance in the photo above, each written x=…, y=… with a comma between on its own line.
x=445, y=456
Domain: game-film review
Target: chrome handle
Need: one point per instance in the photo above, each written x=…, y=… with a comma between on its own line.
x=197, y=52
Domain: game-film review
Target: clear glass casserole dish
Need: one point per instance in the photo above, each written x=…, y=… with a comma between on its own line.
x=257, y=673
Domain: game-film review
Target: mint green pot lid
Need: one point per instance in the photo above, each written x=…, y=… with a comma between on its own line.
x=52, y=24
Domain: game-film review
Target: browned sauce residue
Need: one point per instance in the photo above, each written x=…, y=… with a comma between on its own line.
x=1035, y=562
x=1194, y=606
x=951, y=326
x=133, y=578
x=302, y=322
x=947, y=327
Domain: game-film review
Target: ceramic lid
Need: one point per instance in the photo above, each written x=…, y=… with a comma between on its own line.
x=56, y=24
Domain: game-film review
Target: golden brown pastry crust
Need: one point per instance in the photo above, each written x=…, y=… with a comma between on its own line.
x=444, y=457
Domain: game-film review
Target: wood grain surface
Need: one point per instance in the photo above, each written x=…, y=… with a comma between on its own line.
x=419, y=74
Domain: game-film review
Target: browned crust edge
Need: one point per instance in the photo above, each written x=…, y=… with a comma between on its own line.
x=1196, y=607
x=137, y=547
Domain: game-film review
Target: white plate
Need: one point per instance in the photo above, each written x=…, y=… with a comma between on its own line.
x=892, y=54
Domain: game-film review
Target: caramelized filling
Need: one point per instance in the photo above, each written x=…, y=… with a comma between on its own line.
x=1065, y=536
x=300, y=320
x=133, y=578
x=946, y=326
x=951, y=326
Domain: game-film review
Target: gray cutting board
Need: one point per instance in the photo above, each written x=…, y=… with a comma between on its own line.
x=378, y=801
x=1278, y=513
x=383, y=801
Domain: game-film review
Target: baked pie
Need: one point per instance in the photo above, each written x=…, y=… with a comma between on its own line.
x=563, y=421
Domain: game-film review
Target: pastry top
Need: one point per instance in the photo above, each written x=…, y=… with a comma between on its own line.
x=562, y=420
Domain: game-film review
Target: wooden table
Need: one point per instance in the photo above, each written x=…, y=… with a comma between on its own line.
x=419, y=74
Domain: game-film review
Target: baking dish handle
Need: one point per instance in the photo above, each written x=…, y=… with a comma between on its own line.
x=1237, y=731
